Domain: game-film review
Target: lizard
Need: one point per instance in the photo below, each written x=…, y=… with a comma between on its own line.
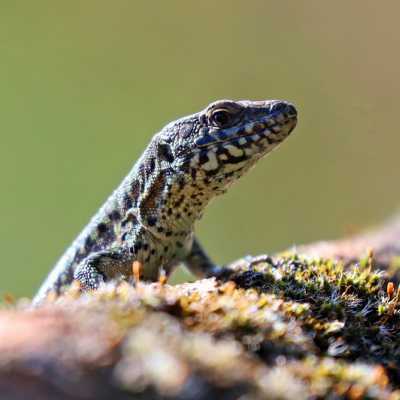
x=149, y=219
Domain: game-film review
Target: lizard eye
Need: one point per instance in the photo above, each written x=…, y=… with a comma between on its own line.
x=221, y=118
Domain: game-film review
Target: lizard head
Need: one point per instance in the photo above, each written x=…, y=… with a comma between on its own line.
x=219, y=144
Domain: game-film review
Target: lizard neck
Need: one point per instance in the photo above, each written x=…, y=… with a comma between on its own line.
x=165, y=197
x=171, y=204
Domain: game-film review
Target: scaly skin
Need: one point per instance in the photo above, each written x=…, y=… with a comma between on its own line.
x=150, y=217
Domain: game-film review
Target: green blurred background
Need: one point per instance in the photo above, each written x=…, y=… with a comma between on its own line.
x=85, y=84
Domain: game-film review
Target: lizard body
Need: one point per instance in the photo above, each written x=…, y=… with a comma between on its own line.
x=150, y=217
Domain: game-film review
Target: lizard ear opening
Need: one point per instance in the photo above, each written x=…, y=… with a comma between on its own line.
x=165, y=152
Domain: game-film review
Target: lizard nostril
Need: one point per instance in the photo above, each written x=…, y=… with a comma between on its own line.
x=283, y=106
x=279, y=106
x=291, y=110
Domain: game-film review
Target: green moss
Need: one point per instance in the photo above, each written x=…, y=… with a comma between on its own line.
x=283, y=328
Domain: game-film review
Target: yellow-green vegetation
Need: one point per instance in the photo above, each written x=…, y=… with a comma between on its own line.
x=281, y=328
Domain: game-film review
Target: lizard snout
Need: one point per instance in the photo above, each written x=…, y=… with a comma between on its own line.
x=284, y=107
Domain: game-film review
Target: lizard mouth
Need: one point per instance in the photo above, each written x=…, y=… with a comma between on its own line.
x=227, y=151
x=271, y=130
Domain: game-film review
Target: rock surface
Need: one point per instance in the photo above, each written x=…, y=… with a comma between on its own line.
x=287, y=327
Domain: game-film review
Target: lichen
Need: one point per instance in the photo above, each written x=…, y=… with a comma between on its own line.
x=280, y=328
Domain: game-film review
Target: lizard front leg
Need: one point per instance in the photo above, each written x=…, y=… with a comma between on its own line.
x=200, y=264
x=102, y=266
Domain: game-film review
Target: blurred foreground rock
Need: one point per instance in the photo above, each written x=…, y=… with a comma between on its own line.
x=289, y=327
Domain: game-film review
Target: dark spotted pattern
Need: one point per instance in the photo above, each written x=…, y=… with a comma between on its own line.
x=102, y=229
x=150, y=217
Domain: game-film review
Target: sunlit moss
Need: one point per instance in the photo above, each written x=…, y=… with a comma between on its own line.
x=278, y=328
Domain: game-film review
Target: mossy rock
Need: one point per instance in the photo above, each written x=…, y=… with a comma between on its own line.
x=287, y=327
